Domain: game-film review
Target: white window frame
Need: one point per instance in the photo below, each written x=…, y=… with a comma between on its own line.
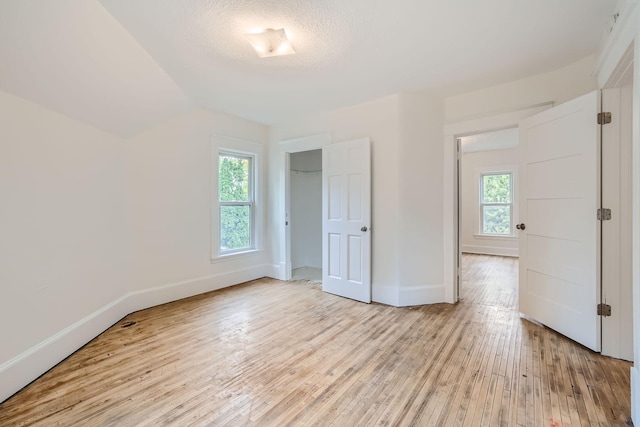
x=250, y=203
x=223, y=145
x=481, y=204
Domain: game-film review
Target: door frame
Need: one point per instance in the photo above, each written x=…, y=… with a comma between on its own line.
x=612, y=137
x=286, y=148
x=451, y=194
x=620, y=48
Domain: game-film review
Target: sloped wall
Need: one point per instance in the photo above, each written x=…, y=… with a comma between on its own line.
x=65, y=238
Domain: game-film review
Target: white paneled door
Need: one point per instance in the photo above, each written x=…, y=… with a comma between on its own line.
x=346, y=219
x=559, y=229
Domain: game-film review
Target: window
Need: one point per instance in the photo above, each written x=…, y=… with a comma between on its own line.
x=496, y=203
x=236, y=202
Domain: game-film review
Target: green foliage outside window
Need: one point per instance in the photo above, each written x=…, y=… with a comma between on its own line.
x=496, y=204
x=235, y=188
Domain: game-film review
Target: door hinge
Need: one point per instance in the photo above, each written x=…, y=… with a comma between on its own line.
x=604, y=310
x=604, y=118
x=604, y=214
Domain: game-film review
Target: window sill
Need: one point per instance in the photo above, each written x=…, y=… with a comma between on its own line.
x=236, y=255
x=496, y=237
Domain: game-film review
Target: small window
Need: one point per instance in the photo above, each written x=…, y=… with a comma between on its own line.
x=496, y=203
x=236, y=202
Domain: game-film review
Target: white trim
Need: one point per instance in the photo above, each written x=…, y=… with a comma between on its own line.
x=613, y=50
x=151, y=297
x=450, y=182
x=385, y=294
x=488, y=170
x=224, y=144
x=610, y=66
x=635, y=393
x=275, y=271
x=281, y=269
x=407, y=296
x=236, y=255
x=286, y=148
x=305, y=143
x=251, y=158
x=620, y=72
x=635, y=218
x=480, y=204
x=495, y=237
x=489, y=250
x=19, y=371
x=420, y=295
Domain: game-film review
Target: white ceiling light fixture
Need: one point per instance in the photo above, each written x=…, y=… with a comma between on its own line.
x=271, y=42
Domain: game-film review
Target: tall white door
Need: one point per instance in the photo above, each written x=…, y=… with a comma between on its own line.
x=346, y=219
x=559, y=229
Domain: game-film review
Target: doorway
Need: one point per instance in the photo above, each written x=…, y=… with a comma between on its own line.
x=488, y=210
x=345, y=212
x=305, y=219
x=616, y=329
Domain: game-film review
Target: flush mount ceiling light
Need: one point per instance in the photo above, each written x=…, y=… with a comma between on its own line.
x=271, y=42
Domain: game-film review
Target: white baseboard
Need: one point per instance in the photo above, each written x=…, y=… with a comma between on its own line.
x=274, y=272
x=139, y=300
x=421, y=295
x=280, y=270
x=385, y=294
x=29, y=365
x=490, y=250
x=635, y=394
x=404, y=296
x=450, y=292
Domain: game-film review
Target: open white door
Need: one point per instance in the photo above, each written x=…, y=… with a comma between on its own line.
x=559, y=230
x=346, y=219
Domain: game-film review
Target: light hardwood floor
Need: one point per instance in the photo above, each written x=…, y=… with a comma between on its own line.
x=272, y=353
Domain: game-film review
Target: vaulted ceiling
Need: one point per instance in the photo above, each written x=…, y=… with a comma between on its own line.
x=124, y=65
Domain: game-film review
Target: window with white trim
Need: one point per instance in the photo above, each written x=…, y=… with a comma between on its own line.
x=496, y=203
x=236, y=202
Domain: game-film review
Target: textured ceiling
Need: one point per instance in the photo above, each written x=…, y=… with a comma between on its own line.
x=124, y=65
x=498, y=140
x=357, y=50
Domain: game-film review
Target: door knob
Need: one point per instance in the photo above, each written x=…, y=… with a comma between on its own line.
x=520, y=226
x=364, y=228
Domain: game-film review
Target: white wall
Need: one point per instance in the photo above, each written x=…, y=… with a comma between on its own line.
x=420, y=239
x=472, y=165
x=94, y=227
x=405, y=131
x=558, y=86
x=169, y=176
x=379, y=121
x=498, y=107
x=64, y=236
x=306, y=209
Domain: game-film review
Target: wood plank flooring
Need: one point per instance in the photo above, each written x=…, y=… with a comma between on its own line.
x=271, y=353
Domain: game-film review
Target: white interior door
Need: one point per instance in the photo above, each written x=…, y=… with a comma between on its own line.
x=346, y=219
x=560, y=195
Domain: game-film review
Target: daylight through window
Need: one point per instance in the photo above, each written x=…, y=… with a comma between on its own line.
x=236, y=202
x=496, y=203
